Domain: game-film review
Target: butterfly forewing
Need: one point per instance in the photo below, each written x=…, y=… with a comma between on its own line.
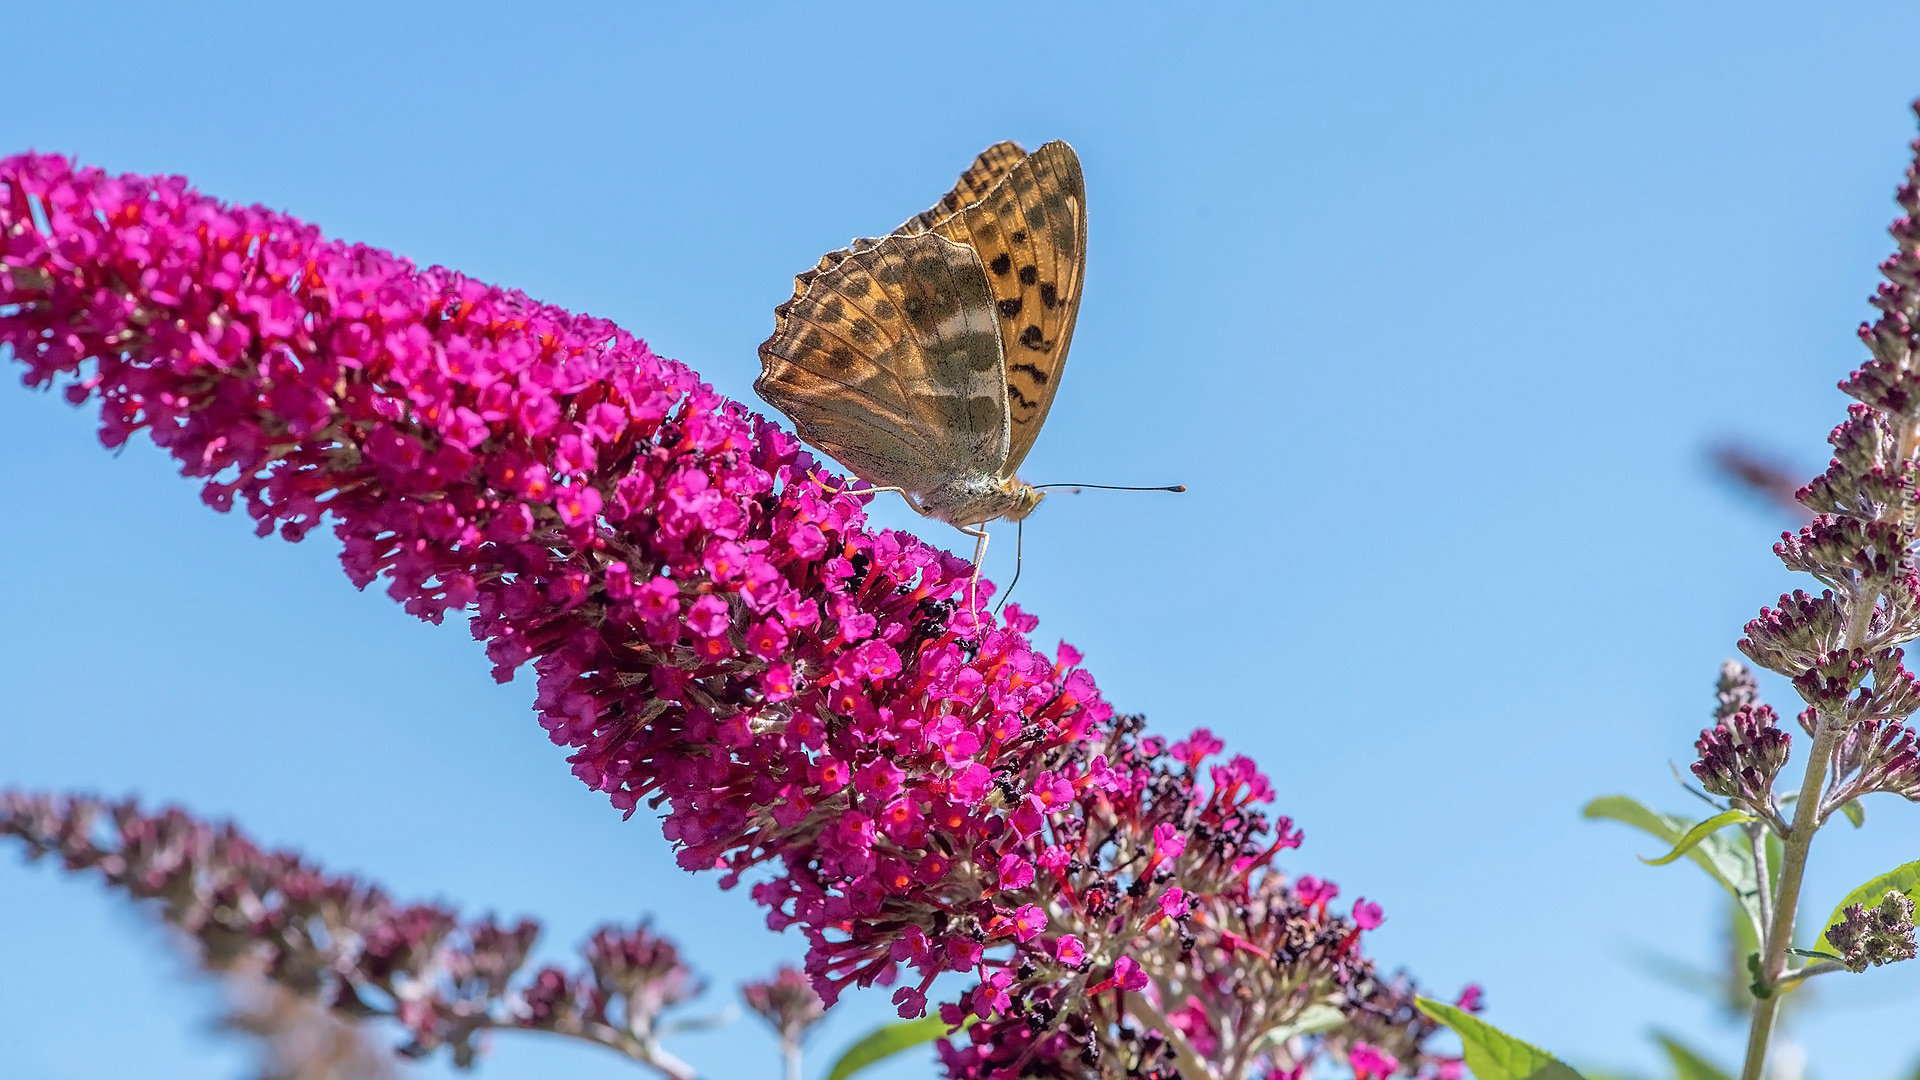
x=993, y=163
x=986, y=171
x=890, y=361
x=1030, y=233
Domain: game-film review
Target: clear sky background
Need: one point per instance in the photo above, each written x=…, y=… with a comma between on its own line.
x=1435, y=308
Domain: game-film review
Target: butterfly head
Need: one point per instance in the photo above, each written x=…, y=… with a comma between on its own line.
x=1025, y=496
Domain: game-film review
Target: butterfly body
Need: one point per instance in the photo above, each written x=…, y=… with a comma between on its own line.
x=925, y=361
x=976, y=500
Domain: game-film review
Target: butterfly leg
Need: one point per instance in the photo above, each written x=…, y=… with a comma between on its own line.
x=904, y=493
x=979, y=534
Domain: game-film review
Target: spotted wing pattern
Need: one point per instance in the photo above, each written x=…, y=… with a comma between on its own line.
x=1030, y=233
x=890, y=360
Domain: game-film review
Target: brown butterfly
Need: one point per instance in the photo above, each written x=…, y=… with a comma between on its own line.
x=925, y=361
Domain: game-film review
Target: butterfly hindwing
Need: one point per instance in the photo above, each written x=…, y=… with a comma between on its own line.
x=1030, y=233
x=890, y=361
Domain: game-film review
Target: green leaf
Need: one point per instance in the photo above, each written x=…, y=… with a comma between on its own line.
x=1698, y=833
x=1855, y=812
x=1492, y=1054
x=1728, y=861
x=1901, y=879
x=884, y=1042
x=1312, y=1020
x=1688, y=1065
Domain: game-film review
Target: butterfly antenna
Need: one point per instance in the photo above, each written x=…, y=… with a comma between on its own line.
x=1019, y=538
x=1113, y=487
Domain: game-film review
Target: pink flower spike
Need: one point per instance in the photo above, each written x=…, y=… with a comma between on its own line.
x=717, y=633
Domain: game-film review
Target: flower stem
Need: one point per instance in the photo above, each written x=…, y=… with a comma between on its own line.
x=1793, y=865
x=1793, y=860
x=790, y=1054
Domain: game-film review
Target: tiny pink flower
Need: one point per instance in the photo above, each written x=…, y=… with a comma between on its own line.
x=990, y=997
x=962, y=954
x=1167, y=842
x=970, y=784
x=878, y=779
x=577, y=505
x=777, y=683
x=708, y=616
x=829, y=775
x=1129, y=975
x=1370, y=1063
x=1019, y=621
x=619, y=581
x=1028, y=922
x=658, y=601
x=606, y=423
x=909, y=1002
x=806, y=541
x=797, y=611
x=911, y=947
x=1197, y=747
x=1069, y=951
x=1366, y=914
x=767, y=640
x=1312, y=890
x=1015, y=872
x=574, y=456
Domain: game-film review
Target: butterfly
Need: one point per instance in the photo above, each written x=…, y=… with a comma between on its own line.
x=925, y=361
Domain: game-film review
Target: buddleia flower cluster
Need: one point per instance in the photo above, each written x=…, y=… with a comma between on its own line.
x=1841, y=645
x=820, y=710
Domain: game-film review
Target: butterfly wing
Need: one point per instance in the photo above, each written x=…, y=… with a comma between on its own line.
x=993, y=163
x=890, y=361
x=1030, y=232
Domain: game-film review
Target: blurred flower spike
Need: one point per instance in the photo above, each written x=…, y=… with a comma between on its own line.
x=908, y=781
x=787, y=1003
x=340, y=941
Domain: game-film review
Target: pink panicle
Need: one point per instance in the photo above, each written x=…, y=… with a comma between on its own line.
x=715, y=630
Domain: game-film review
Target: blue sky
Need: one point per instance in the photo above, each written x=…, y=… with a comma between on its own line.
x=1434, y=307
